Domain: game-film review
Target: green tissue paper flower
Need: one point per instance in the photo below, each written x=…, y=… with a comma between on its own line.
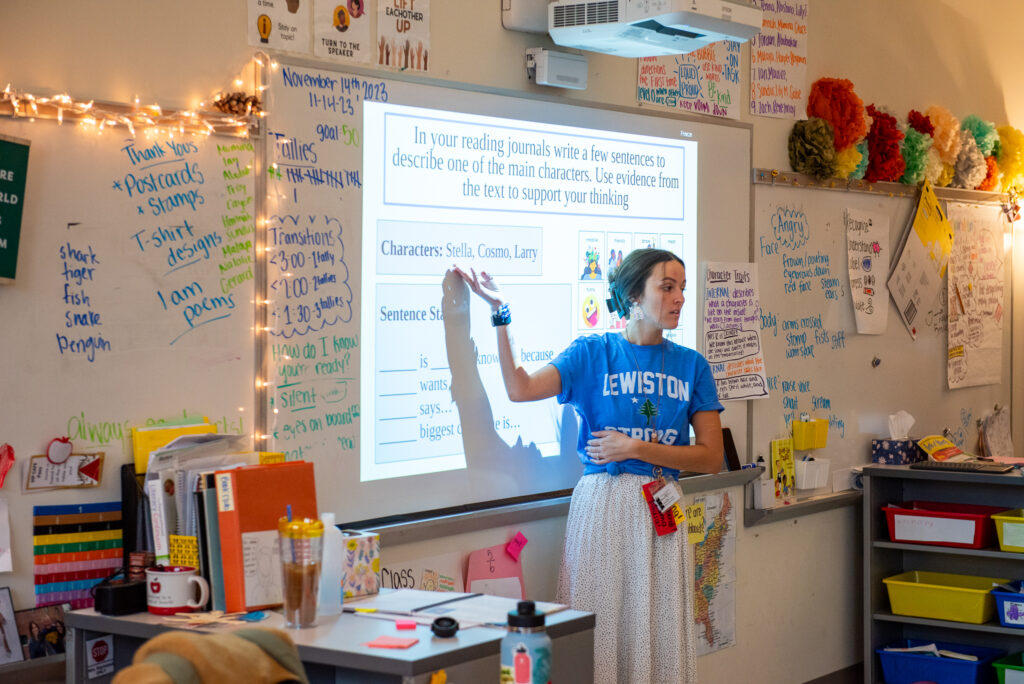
x=811, y=148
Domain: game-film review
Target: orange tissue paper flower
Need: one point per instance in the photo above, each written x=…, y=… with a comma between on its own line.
x=834, y=100
x=946, y=138
x=991, y=182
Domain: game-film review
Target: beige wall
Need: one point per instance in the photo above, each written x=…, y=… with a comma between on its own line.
x=798, y=581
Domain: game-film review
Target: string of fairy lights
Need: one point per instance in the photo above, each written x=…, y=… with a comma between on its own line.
x=235, y=113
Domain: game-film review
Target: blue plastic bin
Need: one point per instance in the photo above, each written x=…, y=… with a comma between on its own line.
x=907, y=668
x=1010, y=606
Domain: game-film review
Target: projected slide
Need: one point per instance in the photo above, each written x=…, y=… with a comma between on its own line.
x=550, y=211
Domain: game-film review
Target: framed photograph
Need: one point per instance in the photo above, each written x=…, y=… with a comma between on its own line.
x=41, y=630
x=10, y=647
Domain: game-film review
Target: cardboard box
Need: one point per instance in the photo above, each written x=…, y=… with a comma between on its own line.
x=896, y=452
x=361, y=563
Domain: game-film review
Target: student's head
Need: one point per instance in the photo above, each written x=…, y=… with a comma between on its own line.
x=60, y=627
x=33, y=630
x=645, y=277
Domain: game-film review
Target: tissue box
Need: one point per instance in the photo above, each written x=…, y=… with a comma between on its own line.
x=896, y=451
x=361, y=563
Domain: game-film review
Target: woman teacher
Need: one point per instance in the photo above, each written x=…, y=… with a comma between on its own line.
x=636, y=395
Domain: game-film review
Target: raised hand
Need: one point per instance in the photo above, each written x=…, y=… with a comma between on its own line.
x=483, y=285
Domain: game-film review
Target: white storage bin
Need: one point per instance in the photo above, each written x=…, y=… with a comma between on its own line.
x=812, y=474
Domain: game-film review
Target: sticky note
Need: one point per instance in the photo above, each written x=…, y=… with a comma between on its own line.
x=515, y=547
x=385, y=641
x=405, y=624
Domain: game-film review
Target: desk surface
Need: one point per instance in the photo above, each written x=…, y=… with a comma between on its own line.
x=338, y=640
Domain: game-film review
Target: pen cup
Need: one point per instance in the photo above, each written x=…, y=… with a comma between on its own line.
x=301, y=555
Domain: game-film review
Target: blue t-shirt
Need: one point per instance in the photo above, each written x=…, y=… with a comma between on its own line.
x=615, y=385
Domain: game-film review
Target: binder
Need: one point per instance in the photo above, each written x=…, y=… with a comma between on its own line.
x=201, y=533
x=216, y=577
x=250, y=500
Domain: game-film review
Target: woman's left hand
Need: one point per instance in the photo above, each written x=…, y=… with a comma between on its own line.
x=606, y=446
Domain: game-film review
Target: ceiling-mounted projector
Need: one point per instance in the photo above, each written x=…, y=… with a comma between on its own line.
x=649, y=28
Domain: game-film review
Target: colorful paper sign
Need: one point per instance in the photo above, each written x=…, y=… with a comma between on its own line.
x=492, y=571
x=279, y=24
x=705, y=81
x=342, y=30
x=695, y=528
x=732, y=320
x=77, y=471
x=403, y=34
x=975, y=303
x=867, y=250
x=99, y=656
x=778, y=60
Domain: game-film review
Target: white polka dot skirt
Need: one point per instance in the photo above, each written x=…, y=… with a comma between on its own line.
x=638, y=584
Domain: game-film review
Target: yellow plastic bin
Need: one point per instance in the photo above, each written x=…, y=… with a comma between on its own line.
x=943, y=596
x=1010, y=528
x=810, y=434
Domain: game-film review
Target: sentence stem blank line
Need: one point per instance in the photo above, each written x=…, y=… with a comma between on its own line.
x=404, y=441
x=400, y=394
x=397, y=370
x=399, y=418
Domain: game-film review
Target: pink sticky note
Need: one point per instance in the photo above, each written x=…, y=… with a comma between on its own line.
x=385, y=641
x=515, y=547
x=405, y=624
x=493, y=571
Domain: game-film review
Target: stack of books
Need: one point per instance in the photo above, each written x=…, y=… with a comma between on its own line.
x=213, y=506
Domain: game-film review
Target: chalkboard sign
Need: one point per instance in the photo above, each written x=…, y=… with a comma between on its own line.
x=816, y=361
x=133, y=300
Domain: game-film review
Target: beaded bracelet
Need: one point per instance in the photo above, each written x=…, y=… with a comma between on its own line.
x=501, y=316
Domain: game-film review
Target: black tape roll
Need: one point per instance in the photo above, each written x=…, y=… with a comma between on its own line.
x=444, y=627
x=120, y=597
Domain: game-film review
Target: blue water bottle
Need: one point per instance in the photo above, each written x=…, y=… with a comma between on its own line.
x=526, y=648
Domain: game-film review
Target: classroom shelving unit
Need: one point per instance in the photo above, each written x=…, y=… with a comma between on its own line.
x=883, y=558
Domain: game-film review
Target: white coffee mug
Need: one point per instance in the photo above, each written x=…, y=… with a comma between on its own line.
x=169, y=589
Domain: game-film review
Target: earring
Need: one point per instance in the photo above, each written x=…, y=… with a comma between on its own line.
x=635, y=312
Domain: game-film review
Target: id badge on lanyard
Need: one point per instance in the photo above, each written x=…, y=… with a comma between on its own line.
x=662, y=497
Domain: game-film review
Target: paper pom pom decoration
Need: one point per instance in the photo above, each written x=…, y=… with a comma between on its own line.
x=920, y=123
x=862, y=165
x=884, y=160
x=991, y=181
x=833, y=100
x=1011, y=156
x=915, y=152
x=811, y=148
x=847, y=161
x=984, y=133
x=933, y=166
x=946, y=136
x=946, y=177
x=970, y=168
